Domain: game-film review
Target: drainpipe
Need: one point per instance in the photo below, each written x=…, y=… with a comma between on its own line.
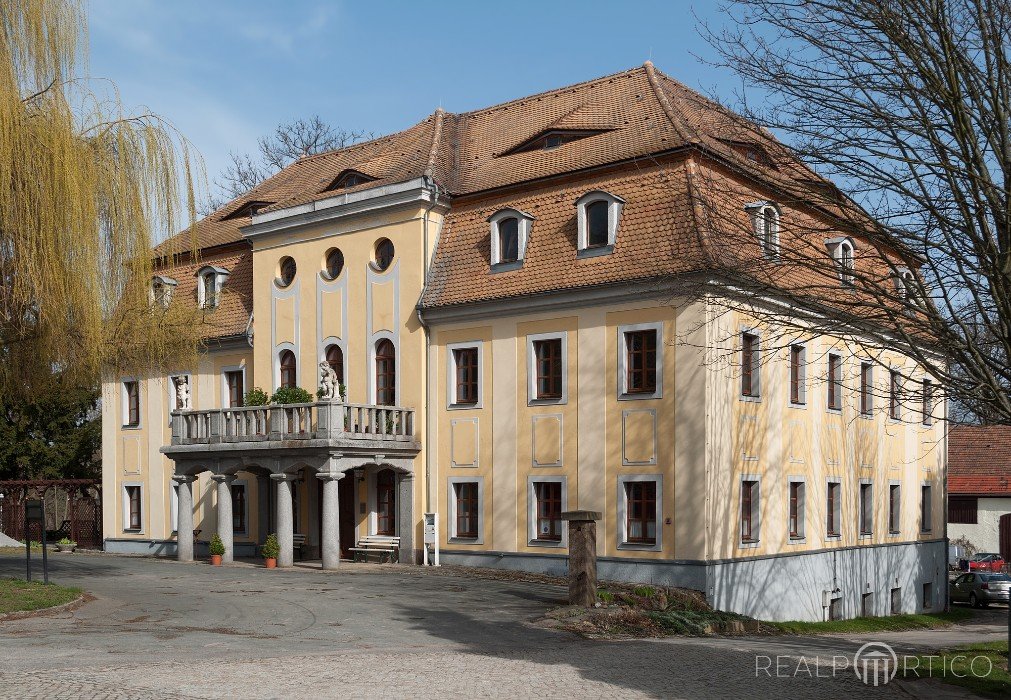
x=428, y=348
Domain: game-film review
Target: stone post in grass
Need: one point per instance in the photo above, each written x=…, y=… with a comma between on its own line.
x=582, y=556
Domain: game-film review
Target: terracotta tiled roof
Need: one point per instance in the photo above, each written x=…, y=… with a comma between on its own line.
x=979, y=460
x=231, y=316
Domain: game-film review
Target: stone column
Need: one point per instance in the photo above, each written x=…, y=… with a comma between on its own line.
x=331, y=544
x=405, y=518
x=184, y=518
x=582, y=556
x=226, y=525
x=285, y=526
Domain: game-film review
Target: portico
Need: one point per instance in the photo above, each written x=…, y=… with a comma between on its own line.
x=315, y=447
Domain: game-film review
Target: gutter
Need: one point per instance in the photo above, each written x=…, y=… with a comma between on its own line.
x=425, y=264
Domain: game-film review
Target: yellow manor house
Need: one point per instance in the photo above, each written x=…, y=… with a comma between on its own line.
x=489, y=312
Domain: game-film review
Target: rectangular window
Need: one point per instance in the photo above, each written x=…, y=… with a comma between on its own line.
x=866, y=388
x=548, y=368
x=798, y=390
x=833, y=508
x=866, y=509
x=928, y=596
x=132, y=390
x=465, y=361
x=894, y=395
x=796, y=510
x=750, y=368
x=133, y=507
x=835, y=382
x=894, y=509
x=549, y=510
x=640, y=512
x=239, y=508
x=963, y=510
x=928, y=402
x=236, y=390
x=467, y=509
x=926, y=509
x=640, y=362
x=749, y=511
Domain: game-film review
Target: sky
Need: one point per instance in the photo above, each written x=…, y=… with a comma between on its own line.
x=225, y=72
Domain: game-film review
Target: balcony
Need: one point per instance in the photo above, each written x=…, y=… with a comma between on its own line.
x=318, y=424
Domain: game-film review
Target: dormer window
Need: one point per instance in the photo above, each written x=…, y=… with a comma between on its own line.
x=247, y=210
x=161, y=290
x=905, y=284
x=751, y=152
x=552, y=139
x=210, y=279
x=348, y=179
x=765, y=223
x=510, y=229
x=597, y=216
x=842, y=251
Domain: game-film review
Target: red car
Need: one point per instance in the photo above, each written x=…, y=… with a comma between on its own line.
x=986, y=561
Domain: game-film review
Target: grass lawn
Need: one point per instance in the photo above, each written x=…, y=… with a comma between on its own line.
x=876, y=624
x=982, y=668
x=16, y=595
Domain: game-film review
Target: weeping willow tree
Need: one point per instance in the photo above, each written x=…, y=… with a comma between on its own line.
x=84, y=190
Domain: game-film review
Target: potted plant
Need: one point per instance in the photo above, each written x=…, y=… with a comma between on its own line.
x=66, y=545
x=217, y=549
x=269, y=550
x=256, y=397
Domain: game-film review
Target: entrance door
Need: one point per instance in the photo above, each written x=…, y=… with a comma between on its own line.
x=348, y=502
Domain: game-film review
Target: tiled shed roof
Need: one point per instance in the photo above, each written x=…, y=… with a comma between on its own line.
x=979, y=460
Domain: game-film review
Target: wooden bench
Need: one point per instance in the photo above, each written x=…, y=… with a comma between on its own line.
x=297, y=543
x=382, y=545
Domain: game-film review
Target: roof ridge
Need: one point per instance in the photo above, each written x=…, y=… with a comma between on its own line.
x=433, y=153
x=680, y=125
x=580, y=84
x=359, y=144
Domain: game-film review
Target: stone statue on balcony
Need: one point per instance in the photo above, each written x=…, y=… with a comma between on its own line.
x=328, y=384
x=182, y=389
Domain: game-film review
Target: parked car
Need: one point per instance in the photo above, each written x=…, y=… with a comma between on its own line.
x=986, y=561
x=980, y=589
x=956, y=553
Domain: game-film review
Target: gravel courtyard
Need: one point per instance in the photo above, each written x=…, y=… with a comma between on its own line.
x=161, y=629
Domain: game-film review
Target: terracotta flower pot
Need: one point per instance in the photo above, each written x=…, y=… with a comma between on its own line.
x=271, y=562
x=216, y=559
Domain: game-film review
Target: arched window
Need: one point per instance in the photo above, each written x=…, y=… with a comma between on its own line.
x=335, y=358
x=334, y=263
x=386, y=373
x=770, y=232
x=287, y=271
x=386, y=503
x=844, y=259
x=598, y=214
x=384, y=254
x=509, y=239
x=288, y=370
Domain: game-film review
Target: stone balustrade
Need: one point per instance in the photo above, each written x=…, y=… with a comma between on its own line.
x=322, y=420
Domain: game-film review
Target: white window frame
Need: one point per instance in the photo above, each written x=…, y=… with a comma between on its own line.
x=168, y=286
x=532, y=399
x=532, y=482
x=125, y=494
x=280, y=348
x=769, y=244
x=125, y=404
x=756, y=511
x=837, y=511
x=898, y=531
x=836, y=247
x=622, y=510
x=801, y=510
x=451, y=521
x=224, y=382
x=861, y=483
x=756, y=365
x=803, y=376
x=840, y=386
x=522, y=232
x=220, y=276
x=870, y=393
x=898, y=386
x=623, y=394
x=614, y=207
x=452, y=402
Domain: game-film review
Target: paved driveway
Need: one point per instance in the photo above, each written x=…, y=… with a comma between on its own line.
x=162, y=629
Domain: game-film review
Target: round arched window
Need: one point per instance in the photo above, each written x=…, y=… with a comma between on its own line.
x=384, y=253
x=288, y=368
x=334, y=263
x=287, y=272
x=335, y=358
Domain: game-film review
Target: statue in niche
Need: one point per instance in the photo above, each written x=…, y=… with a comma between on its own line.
x=328, y=384
x=182, y=389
